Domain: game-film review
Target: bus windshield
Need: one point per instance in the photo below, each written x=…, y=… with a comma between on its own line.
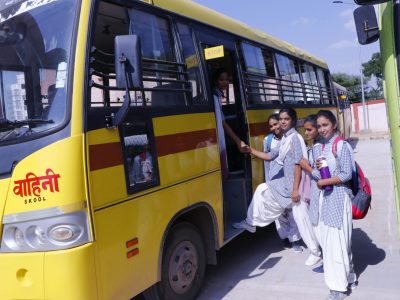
x=35, y=46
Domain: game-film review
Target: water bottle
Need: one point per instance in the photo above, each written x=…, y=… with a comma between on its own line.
x=324, y=171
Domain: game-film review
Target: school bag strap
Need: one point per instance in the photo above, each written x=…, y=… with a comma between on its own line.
x=268, y=142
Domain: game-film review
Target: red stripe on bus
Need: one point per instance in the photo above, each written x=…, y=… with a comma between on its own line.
x=179, y=142
x=105, y=156
x=110, y=155
x=257, y=129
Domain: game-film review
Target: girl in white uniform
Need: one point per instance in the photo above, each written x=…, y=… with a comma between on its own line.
x=270, y=199
x=335, y=213
x=285, y=224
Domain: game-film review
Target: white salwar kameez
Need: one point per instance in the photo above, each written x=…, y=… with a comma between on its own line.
x=263, y=209
x=336, y=248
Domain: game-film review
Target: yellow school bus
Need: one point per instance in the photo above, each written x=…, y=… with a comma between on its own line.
x=116, y=177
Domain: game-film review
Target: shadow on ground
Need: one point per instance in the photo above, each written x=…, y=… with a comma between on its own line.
x=365, y=252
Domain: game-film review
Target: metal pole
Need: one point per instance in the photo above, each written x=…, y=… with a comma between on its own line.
x=362, y=94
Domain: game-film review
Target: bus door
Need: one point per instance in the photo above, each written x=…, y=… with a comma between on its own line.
x=236, y=167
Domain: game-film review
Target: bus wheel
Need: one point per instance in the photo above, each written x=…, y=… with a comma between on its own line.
x=183, y=265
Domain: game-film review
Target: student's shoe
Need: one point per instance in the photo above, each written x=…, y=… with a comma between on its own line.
x=244, y=225
x=319, y=269
x=313, y=260
x=336, y=295
x=296, y=246
x=352, y=286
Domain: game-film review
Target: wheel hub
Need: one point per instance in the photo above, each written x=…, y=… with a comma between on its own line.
x=183, y=267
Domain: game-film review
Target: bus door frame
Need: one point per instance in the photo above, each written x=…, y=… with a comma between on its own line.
x=237, y=188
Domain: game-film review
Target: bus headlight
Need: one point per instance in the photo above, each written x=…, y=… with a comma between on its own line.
x=13, y=238
x=64, y=233
x=52, y=233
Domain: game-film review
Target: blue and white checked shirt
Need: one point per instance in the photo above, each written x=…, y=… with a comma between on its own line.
x=282, y=177
x=333, y=204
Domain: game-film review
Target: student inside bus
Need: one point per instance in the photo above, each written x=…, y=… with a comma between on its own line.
x=221, y=84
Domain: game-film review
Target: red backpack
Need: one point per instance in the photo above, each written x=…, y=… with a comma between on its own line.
x=359, y=184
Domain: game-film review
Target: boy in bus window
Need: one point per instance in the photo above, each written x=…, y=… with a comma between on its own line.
x=221, y=83
x=143, y=166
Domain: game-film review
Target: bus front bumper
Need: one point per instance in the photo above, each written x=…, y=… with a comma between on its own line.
x=60, y=275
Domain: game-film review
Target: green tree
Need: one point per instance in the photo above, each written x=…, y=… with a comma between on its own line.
x=351, y=82
x=373, y=67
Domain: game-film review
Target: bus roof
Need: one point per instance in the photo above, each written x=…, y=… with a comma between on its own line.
x=203, y=14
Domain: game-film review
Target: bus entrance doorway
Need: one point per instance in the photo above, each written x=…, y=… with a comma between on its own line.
x=230, y=116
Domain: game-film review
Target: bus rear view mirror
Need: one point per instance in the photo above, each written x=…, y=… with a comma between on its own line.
x=128, y=62
x=369, y=2
x=366, y=24
x=128, y=73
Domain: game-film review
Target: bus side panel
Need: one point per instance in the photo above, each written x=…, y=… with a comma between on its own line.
x=186, y=147
x=209, y=189
x=144, y=219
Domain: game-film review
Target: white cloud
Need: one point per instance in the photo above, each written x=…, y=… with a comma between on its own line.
x=350, y=25
x=301, y=21
x=346, y=13
x=343, y=44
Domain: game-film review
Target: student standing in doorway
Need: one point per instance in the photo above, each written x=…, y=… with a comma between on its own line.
x=221, y=85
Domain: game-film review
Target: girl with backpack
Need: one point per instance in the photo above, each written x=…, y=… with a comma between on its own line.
x=282, y=190
x=285, y=224
x=335, y=213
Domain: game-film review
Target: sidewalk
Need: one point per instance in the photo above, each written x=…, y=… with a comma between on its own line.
x=369, y=135
x=258, y=267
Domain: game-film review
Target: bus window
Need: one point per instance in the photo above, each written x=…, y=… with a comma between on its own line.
x=192, y=64
x=260, y=83
x=164, y=79
x=310, y=83
x=324, y=86
x=290, y=79
x=140, y=161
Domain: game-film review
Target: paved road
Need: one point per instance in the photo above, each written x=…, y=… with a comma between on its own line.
x=257, y=266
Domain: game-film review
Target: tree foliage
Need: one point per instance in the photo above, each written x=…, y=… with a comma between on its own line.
x=372, y=69
x=373, y=66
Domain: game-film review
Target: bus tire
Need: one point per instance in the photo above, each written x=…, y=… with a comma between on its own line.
x=183, y=265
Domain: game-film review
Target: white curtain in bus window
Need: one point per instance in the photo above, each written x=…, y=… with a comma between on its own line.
x=192, y=64
x=163, y=78
x=14, y=95
x=138, y=156
x=323, y=86
x=290, y=79
x=310, y=83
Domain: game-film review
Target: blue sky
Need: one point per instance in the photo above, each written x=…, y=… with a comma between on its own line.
x=320, y=27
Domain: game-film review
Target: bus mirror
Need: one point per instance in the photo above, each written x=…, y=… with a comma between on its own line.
x=128, y=73
x=128, y=60
x=369, y=2
x=366, y=24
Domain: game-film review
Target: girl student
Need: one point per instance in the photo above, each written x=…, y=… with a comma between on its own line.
x=312, y=137
x=221, y=84
x=334, y=218
x=270, y=199
x=285, y=224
